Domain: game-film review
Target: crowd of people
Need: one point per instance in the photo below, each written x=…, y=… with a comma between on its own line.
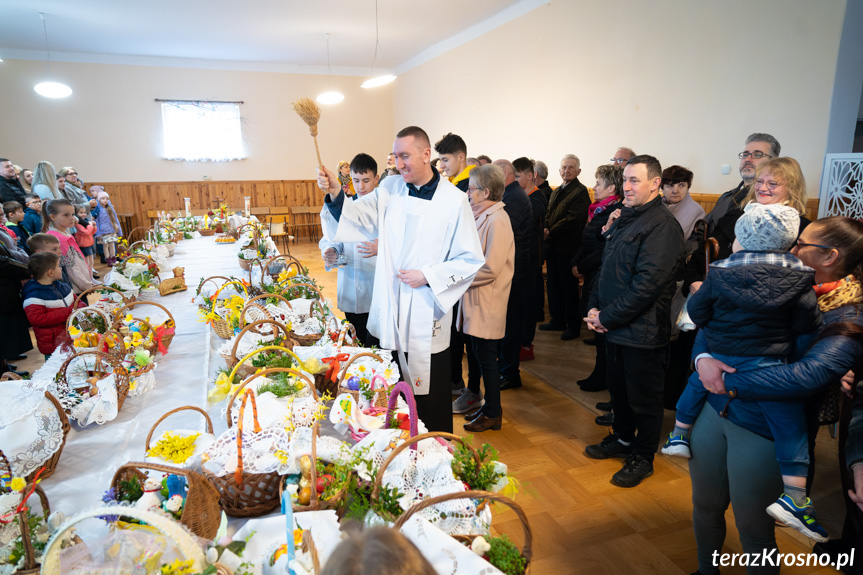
x=51, y=230
x=744, y=319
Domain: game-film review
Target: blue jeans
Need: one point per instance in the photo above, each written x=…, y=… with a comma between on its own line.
x=786, y=419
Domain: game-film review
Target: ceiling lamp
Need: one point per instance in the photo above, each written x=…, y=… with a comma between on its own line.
x=331, y=96
x=50, y=89
x=376, y=81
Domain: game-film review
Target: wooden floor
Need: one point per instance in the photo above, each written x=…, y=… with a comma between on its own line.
x=581, y=522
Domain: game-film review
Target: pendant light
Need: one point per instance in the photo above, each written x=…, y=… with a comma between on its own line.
x=331, y=96
x=47, y=88
x=376, y=81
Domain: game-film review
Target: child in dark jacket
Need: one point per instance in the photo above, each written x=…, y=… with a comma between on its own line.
x=751, y=307
x=47, y=301
x=14, y=217
x=32, y=214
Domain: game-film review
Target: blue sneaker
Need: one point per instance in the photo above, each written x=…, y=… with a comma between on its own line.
x=802, y=519
x=677, y=445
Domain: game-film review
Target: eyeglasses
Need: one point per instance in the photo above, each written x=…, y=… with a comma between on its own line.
x=771, y=185
x=72, y=174
x=474, y=189
x=755, y=155
x=804, y=244
x=618, y=160
x=32, y=202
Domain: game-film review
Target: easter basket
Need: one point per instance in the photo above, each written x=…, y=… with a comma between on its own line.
x=316, y=502
x=246, y=493
x=103, y=367
x=201, y=443
x=246, y=369
x=201, y=512
x=86, y=325
x=316, y=310
x=163, y=334
x=107, y=301
x=259, y=308
x=33, y=428
x=527, y=546
x=380, y=394
x=221, y=326
x=281, y=264
x=300, y=412
x=14, y=508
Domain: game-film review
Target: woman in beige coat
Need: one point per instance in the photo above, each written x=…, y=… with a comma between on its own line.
x=482, y=313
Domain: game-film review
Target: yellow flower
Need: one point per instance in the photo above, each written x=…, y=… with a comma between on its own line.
x=174, y=448
x=221, y=390
x=18, y=484
x=75, y=332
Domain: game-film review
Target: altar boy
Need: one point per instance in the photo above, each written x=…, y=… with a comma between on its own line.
x=429, y=253
x=356, y=260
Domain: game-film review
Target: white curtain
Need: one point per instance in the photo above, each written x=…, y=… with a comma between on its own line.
x=202, y=132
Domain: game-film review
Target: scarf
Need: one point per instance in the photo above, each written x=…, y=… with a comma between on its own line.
x=347, y=185
x=463, y=175
x=597, y=207
x=832, y=295
x=479, y=208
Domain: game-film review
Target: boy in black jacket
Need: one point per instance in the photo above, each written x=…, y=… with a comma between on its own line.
x=751, y=306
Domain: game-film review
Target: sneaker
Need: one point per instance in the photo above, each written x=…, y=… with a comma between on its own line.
x=526, y=353
x=467, y=401
x=457, y=387
x=95, y=274
x=609, y=447
x=604, y=406
x=802, y=519
x=635, y=470
x=605, y=420
x=677, y=445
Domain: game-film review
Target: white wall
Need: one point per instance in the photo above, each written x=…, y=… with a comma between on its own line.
x=110, y=129
x=683, y=80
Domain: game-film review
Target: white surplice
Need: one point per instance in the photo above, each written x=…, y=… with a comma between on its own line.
x=356, y=277
x=437, y=237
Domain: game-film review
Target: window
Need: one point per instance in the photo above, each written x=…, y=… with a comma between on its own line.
x=202, y=131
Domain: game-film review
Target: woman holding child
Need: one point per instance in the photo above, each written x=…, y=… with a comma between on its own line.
x=733, y=452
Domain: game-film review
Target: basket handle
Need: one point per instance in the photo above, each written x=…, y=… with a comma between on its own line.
x=263, y=372
x=134, y=304
x=211, y=279
x=233, y=373
x=224, y=285
x=257, y=297
x=288, y=258
x=402, y=388
x=82, y=296
x=5, y=461
x=252, y=264
x=254, y=324
x=300, y=284
x=526, y=549
x=79, y=310
x=407, y=443
x=292, y=263
x=353, y=359
x=103, y=340
x=185, y=542
x=238, y=472
x=184, y=408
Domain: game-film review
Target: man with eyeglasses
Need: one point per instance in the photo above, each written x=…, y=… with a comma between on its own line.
x=621, y=156
x=11, y=189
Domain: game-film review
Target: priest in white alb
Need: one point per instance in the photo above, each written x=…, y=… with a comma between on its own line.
x=428, y=254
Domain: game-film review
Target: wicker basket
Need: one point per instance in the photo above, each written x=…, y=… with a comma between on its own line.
x=82, y=297
x=310, y=339
x=246, y=494
x=527, y=546
x=221, y=326
x=31, y=566
x=400, y=388
x=207, y=231
x=290, y=261
x=262, y=373
x=147, y=259
x=185, y=543
x=262, y=307
x=201, y=513
x=337, y=501
x=164, y=332
x=118, y=351
x=381, y=396
x=83, y=311
x=245, y=369
x=121, y=376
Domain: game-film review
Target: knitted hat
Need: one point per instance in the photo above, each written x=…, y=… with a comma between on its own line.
x=101, y=194
x=764, y=228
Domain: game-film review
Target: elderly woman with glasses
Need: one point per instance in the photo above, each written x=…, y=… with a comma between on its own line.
x=73, y=191
x=482, y=309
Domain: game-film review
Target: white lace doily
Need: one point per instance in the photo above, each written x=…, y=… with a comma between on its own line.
x=327, y=448
x=259, y=451
x=8, y=503
x=101, y=408
x=143, y=383
x=32, y=439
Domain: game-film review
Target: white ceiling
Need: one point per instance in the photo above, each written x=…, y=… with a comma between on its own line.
x=274, y=35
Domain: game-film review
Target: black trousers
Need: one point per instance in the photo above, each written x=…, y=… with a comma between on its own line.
x=360, y=321
x=435, y=409
x=636, y=380
x=534, y=312
x=563, y=293
x=456, y=349
x=510, y=345
x=852, y=529
x=482, y=361
x=679, y=362
x=599, y=369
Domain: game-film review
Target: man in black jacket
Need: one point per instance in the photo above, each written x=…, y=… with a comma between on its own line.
x=11, y=189
x=540, y=180
x=643, y=256
x=525, y=173
x=565, y=221
x=518, y=208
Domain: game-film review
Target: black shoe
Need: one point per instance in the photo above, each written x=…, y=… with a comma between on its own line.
x=509, y=383
x=551, y=326
x=635, y=470
x=470, y=416
x=593, y=384
x=17, y=358
x=11, y=367
x=604, y=406
x=605, y=420
x=608, y=447
x=569, y=335
x=589, y=341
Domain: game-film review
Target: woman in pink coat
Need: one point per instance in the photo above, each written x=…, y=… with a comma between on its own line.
x=482, y=313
